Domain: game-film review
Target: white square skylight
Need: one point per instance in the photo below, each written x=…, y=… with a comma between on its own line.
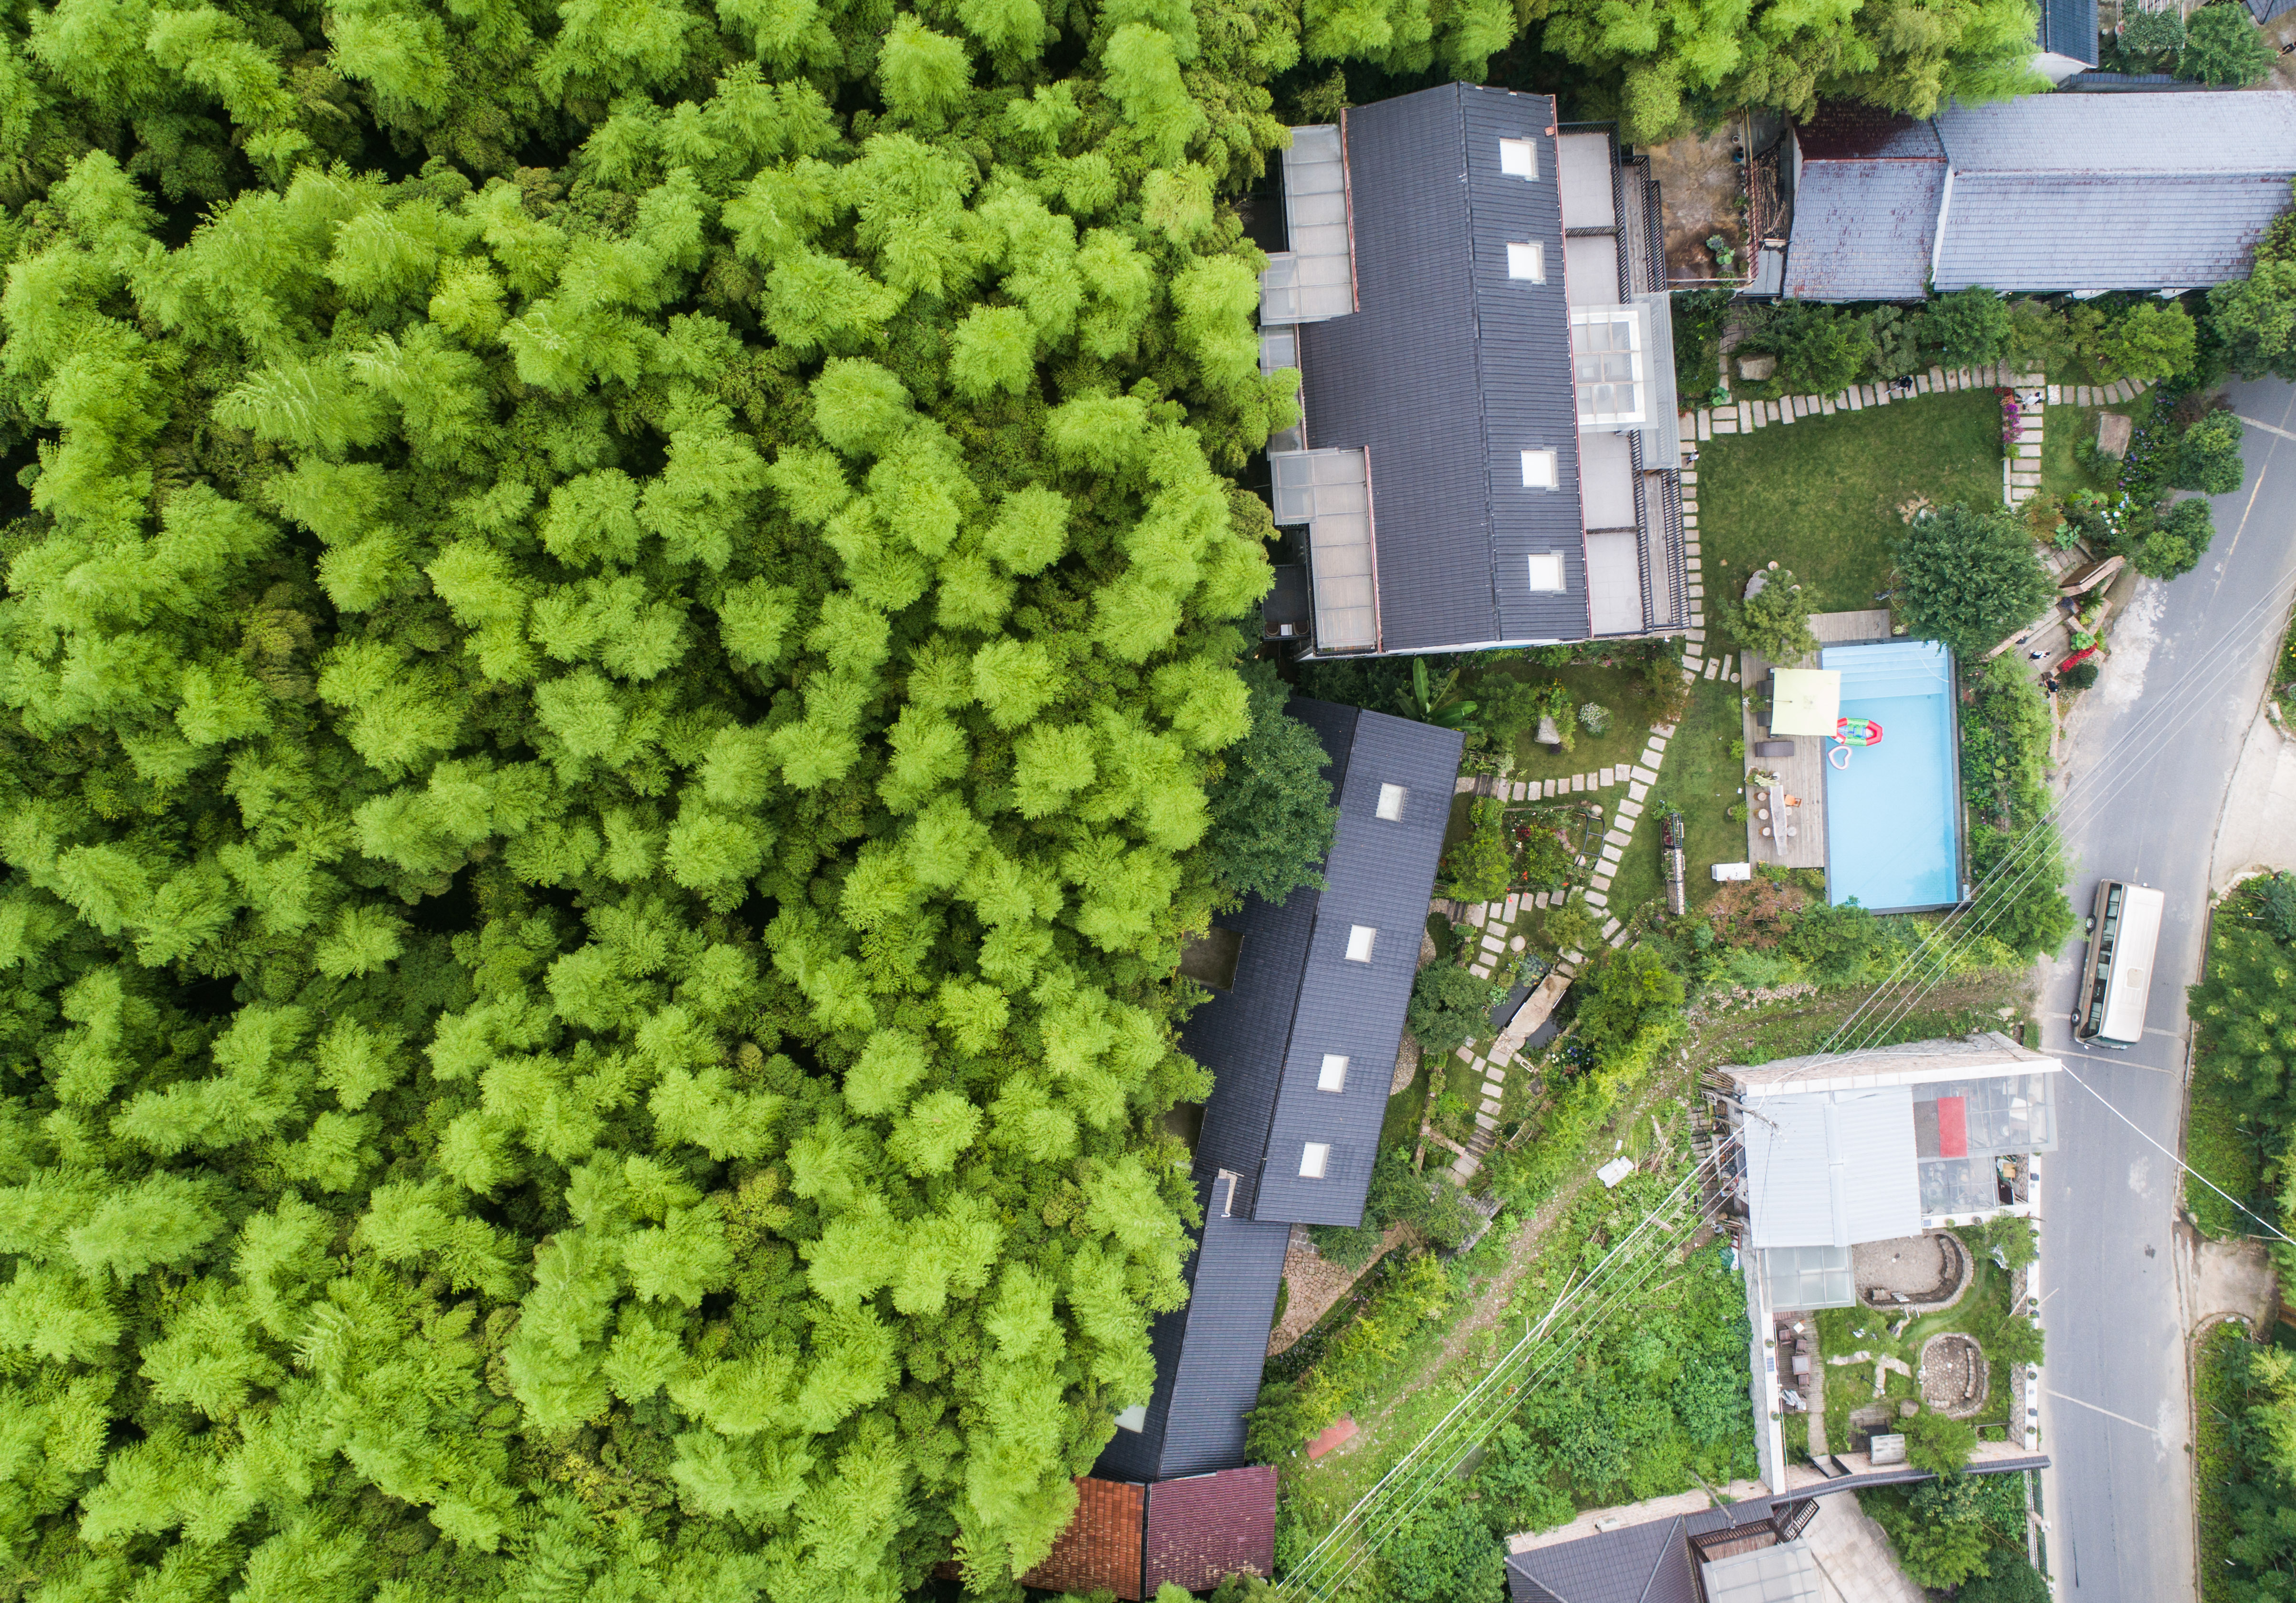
x=1314, y=1157
x=1526, y=261
x=1135, y=1417
x=1390, y=801
x=1539, y=470
x=1360, y=939
x=1333, y=1075
x=1519, y=157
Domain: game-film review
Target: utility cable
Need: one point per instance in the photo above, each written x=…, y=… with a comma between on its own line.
x=1430, y=1461
x=2112, y=1108
x=2153, y=728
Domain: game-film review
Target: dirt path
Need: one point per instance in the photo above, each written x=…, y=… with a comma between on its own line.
x=1718, y=1036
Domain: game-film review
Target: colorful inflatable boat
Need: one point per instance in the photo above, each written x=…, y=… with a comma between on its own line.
x=1857, y=731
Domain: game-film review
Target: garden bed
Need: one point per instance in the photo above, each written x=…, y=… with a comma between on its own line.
x=1842, y=1332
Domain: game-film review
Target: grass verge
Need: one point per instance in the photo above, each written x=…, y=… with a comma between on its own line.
x=1823, y=497
x=2217, y=1396
x=2219, y=1149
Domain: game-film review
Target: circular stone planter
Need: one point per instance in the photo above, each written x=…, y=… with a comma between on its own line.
x=1954, y=1376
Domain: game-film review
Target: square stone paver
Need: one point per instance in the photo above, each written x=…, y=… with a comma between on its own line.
x=1635, y=791
x=1630, y=807
x=1612, y=853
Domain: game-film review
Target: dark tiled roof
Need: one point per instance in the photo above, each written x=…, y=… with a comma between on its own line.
x=1863, y=229
x=1100, y=1551
x=1296, y=998
x=1210, y=1526
x=1647, y=1563
x=1448, y=370
x=1844, y=130
x=1380, y=876
x=2068, y=29
x=1208, y=1352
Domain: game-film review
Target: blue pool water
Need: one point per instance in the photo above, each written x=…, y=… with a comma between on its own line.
x=1892, y=840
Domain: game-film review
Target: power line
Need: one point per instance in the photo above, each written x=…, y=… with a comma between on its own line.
x=2155, y=727
x=1355, y=1539
x=2180, y=1162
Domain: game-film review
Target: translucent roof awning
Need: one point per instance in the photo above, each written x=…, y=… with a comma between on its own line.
x=1805, y=701
x=1315, y=279
x=1330, y=491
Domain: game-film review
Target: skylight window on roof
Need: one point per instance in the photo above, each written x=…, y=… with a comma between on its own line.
x=1519, y=157
x=1360, y=937
x=1333, y=1075
x=1133, y=1418
x=1539, y=470
x=1547, y=572
x=1315, y=1157
x=1606, y=356
x=1526, y=261
x=1390, y=801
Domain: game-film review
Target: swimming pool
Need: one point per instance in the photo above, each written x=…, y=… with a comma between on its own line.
x=1892, y=814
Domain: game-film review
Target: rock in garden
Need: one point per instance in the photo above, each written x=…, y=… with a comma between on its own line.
x=2113, y=433
x=1757, y=367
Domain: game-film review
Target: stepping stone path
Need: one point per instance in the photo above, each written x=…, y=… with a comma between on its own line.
x=2021, y=474
x=1489, y=1074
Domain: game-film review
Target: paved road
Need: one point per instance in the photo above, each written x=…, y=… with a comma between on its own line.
x=2149, y=756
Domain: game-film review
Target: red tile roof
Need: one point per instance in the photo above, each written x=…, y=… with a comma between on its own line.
x=1208, y=1527
x=1101, y=1549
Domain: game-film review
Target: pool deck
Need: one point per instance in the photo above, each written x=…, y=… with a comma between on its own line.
x=1802, y=775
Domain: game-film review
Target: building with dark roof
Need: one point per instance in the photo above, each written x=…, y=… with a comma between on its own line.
x=2081, y=193
x=1489, y=453
x=2066, y=37
x=1751, y=1552
x=1300, y=1035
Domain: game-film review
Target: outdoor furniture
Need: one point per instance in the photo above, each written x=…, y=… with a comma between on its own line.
x=1774, y=748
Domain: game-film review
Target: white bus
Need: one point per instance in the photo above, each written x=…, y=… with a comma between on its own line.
x=2124, y=931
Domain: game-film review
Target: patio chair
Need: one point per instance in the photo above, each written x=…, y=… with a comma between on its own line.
x=1774, y=748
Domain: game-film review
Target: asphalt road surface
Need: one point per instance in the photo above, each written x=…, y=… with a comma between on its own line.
x=2148, y=761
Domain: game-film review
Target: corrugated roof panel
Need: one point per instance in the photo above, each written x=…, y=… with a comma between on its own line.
x=1606, y=482
x=2224, y=131
x=1311, y=280
x=2060, y=230
x=1863, y=229
x=1590, y=269
x=1614, y=582
x=1879, y=1189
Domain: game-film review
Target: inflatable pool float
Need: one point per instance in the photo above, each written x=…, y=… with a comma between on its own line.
x=1857, y=731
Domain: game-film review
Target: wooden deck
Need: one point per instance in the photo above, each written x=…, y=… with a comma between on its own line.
x=1796, y=805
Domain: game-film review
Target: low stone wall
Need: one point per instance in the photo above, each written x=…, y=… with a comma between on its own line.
x=1888, y=1283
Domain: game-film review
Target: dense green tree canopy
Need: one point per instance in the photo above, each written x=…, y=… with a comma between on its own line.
x=610, y=673
x=1675, y=64
x=1969, y=576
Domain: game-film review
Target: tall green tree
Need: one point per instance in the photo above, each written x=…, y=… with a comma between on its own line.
x=1272, y=817
x=619, y=632
x=1968, y=576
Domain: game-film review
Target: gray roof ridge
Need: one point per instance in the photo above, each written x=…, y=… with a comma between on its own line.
x=1482, y=393
x=1658, y=1557
x=2173, y=176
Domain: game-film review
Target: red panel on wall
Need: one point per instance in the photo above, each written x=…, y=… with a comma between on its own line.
x=1101, y=1548
x=1952, y=1127
x=1206, y=1526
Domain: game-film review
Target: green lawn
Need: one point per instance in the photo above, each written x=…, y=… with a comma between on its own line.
x=1621, y=689
x=1823, y=495
x=1701, y=778
x=2217, y=1148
